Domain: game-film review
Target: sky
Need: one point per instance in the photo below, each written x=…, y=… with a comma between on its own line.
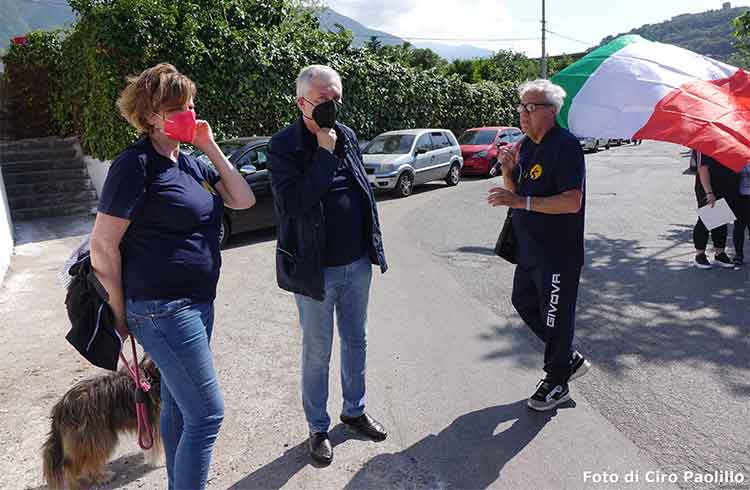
x=574, y=25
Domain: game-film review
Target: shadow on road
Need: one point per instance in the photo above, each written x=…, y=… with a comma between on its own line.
x=652, y=305
x=127, y=469
x=277, y=473
x=467, y=454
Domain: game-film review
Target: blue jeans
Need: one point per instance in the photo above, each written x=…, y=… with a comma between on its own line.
x=176, y=335
x=347, y=292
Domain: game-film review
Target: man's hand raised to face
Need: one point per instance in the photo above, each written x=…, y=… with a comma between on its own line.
x=327, y=138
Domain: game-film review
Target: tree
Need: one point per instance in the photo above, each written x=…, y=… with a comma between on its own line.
x=374, y=44
x=742, y=34
x=426, y=59
x=464, y=69
x=505, y=66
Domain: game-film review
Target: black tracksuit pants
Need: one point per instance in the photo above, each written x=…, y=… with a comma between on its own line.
x=545, y=297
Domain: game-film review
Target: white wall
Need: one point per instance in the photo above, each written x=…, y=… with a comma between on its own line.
x=98, y=172
x=6, y=231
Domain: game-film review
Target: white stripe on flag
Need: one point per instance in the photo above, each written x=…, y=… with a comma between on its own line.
x=620, y=96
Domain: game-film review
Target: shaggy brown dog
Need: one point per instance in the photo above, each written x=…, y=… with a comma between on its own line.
x=87, y=421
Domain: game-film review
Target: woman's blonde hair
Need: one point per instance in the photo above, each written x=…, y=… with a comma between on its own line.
x=158, y=88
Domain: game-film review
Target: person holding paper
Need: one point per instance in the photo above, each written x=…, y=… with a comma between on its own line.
x=713, y=181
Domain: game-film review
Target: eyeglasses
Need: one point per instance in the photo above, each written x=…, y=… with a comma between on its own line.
x=530, y=107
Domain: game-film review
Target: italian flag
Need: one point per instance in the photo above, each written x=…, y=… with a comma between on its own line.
x=633, y=88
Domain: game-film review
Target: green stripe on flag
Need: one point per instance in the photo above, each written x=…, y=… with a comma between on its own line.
x=574, y=77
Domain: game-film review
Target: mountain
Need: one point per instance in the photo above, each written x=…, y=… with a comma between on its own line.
x=17, y=17
x=450, y=53
x=328, y=19
x=708, y=33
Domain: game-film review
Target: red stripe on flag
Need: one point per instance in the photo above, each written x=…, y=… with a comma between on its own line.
x=709, y=116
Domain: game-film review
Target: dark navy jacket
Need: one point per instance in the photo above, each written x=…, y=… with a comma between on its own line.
x=300, y=177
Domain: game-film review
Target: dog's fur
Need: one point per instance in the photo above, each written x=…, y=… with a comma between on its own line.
x=87, y=422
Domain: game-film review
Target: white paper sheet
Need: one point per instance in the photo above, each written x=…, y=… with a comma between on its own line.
x=720, y=214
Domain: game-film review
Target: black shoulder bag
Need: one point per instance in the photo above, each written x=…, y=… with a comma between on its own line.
x=92, y=323
x=505, y=247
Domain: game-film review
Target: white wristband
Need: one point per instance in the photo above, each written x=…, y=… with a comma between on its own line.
x=528, y=203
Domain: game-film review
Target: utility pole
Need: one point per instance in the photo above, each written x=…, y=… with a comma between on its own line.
x=543, y=64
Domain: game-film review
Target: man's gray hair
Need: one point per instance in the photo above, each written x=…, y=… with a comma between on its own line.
x=554, y=94
x=321, y=73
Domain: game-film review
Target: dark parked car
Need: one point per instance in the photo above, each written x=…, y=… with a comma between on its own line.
x=250, y=156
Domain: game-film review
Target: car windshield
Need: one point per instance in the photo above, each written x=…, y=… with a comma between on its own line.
x=485, y=137
x=390, y=144
x=227, y=147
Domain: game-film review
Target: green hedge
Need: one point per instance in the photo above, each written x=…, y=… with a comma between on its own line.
x=244, y=56
x=31, y=83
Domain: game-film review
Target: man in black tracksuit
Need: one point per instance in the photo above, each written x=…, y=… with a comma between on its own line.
x=544, y=182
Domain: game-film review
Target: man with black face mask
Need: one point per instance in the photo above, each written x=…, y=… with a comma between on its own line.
x=328, y=239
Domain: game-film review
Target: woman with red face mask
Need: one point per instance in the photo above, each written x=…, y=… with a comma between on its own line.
x=155, y=248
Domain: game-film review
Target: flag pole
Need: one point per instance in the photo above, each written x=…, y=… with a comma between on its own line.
x=543, y=67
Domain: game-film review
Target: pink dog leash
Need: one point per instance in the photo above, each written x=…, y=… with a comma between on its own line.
x=142, y=388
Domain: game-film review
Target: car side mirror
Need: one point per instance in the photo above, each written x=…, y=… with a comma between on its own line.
x=248, y=169
x=501, y=143
x=420, y=151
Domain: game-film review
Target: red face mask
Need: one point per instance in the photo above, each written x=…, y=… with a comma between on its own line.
x=181, y=126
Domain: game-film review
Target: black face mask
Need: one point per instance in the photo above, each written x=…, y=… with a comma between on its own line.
x=325, y=113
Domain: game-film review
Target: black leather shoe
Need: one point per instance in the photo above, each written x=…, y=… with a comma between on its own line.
x=320, y=448
x=367, y=426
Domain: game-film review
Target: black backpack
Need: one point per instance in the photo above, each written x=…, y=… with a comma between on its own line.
x=92, y=331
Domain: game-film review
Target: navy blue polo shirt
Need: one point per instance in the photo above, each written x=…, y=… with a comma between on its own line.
x=343, y=210
x=171, y=248
x=553, y=166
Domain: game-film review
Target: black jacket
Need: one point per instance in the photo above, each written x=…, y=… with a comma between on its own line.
x=300, y=176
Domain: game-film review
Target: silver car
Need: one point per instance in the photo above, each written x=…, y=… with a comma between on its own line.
x=399, y=160
x=593, y=144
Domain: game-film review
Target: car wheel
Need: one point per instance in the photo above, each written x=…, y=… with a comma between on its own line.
x=224, y=232
x=404, y=185
x=454, y=175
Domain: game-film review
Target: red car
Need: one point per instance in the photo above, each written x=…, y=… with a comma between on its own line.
x=479, y=147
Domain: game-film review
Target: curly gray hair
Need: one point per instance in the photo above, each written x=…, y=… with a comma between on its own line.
x=554, y=94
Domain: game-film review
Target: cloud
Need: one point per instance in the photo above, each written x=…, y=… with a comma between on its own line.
x=435, y=19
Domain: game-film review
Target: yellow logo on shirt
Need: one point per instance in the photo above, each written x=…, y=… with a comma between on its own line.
x=535, y=172
x=208, y=187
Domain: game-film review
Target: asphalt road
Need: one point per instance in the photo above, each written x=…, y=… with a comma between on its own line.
x=450, y=364
x=670, y=342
